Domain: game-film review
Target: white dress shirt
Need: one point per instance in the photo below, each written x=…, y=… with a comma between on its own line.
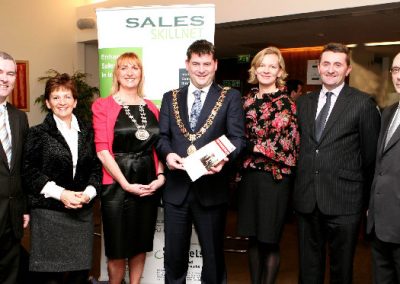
x=322, y=99
x=4, y=105
x=51, y=189
x=190, y=96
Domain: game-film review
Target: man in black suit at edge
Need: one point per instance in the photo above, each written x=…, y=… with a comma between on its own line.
x=384, y=205
x=203, y=202
x=339, y=127
x=13, y=127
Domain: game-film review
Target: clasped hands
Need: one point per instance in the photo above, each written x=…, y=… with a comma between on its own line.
x=143, y=190
x=175, y=162
x=74, y=199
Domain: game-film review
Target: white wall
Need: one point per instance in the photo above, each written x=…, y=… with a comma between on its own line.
x=231, y=10
x=44, y=33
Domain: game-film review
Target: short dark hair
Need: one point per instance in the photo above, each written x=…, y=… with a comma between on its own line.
x=60, y=81
x=337, y=47
x=292, y=85
x=200, y=47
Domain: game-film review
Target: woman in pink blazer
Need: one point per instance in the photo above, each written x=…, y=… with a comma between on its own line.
x=126, y=130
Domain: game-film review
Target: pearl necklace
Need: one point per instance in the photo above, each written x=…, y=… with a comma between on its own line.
x=141, y=133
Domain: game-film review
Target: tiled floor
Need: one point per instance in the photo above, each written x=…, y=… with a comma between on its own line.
x=237, y=262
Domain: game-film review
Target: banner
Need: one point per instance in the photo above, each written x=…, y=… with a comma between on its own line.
x=160, y=36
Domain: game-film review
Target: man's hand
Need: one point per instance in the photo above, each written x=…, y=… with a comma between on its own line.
x=174, y=162
x=218, y=167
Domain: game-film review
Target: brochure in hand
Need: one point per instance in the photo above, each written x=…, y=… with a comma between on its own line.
x=200, y=162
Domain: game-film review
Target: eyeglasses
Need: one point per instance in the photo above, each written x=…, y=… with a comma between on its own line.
x=395, y=70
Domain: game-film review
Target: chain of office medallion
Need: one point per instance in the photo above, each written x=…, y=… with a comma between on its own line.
x=206, y=125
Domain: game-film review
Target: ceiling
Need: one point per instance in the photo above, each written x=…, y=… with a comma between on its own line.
x=349, y=26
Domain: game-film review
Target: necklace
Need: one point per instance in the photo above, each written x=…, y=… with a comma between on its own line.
x=192, y=137
x=141, y=132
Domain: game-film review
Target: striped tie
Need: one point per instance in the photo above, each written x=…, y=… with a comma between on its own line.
x=4, y=138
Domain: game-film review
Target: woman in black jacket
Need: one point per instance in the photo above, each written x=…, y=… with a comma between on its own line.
x=62, y=175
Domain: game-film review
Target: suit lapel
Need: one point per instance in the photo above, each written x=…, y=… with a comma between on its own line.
x=396, y=135
x=82, y=136
x=340, y=105
x=211, y=99
x=311, y=112
x=56, y=134
x=182, y=106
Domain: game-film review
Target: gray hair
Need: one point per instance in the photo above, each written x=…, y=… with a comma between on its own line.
x=7, y=56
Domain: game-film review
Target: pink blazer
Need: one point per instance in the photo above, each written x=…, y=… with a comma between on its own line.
x=105, y=113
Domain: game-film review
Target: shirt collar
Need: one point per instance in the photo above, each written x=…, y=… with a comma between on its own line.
x=336, y=91
x=62, y=125
x=3, y=105
x=204, y=90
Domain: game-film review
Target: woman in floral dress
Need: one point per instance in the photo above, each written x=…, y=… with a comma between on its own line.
x=268, y=164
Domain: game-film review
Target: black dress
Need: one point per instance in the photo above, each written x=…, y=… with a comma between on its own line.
x=129, y=220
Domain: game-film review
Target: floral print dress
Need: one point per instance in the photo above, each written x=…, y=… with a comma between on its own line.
x=271, y=126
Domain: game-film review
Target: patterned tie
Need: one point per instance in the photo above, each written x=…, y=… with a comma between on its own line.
x=393, y=126
x=322, y=116
x=195, y=111
x=4, y=138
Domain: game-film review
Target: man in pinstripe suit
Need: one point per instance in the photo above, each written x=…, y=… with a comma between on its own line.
x=339, y=127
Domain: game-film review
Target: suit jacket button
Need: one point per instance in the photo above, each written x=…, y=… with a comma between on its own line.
x=316, y=172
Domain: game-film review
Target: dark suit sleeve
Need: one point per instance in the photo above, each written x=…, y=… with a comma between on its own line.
x=24, y=131
x=33, y=178
x=166, y=113
x=370, y=122
x=95, y=176
x=235, y=123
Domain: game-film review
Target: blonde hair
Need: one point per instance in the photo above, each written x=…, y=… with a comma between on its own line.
x=256, y=62
x=127, y=58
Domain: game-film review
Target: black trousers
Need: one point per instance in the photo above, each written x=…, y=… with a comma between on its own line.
x=385, y=261
x=9, y=257
x=340, y=233
x=209, y=223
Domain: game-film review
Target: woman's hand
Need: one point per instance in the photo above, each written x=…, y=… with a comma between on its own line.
x=155, y=184
x=71, y=199
x=137, y=188
x=84, y=198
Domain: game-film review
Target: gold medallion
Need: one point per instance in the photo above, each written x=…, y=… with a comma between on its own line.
x=191, y=149
x=192, y=137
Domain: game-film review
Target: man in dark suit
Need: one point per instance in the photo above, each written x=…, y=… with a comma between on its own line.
x=384, y=204
x=339, y=128
x=210, y=111
x=13, y=127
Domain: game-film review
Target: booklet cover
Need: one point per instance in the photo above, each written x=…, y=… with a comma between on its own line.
x=199, y=163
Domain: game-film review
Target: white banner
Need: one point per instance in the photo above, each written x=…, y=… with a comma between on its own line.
x=160, y=36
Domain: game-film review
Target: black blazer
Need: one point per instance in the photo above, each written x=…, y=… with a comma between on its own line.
x=47, y=157
x=211, y=189
x=12, y=199
x=384, y=204
x=335, y=173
